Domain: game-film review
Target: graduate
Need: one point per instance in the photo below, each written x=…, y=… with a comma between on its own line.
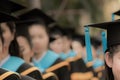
x=10, y=59
x=67, y=38
x=78, y=65
x=97, y=63
x=78, y=44
x=112, y=52
x=38, y=22
x=56, y=39
x=24, y=43
x=8, y=75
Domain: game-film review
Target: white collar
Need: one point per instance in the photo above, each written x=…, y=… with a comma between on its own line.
x=4, y=60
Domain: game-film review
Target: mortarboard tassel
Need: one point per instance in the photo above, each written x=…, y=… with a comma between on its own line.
x=113, y=17
x=88, y=44
x=104, y=40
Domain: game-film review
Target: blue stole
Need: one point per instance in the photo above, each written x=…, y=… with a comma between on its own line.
x=85, y=60
x=64, y=56
x=97, y=63
x=49, y=58
x=13, y=63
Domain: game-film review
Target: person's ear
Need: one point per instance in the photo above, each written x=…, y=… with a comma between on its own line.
x=108, y=59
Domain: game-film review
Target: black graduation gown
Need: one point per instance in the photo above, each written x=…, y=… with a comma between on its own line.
x=9, y=75
x=29, y=71
x=62, y=72
x=17, y=64
x=27, y=78
x=50, y=76
x=78, y=65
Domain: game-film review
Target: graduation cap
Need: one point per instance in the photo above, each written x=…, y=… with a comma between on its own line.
x=35, y=14
x=9, y=6
x=6, y=8
x=113, y=31
x=115, y=13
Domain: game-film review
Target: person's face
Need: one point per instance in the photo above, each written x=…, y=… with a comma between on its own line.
x=67, y=43
x=7, y=34
x=114, y=63
x=25, y=49
x=77, y=47
x=39, y=38
x=57, y=45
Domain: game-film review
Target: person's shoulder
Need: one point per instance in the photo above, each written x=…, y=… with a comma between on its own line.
x=16, y=58
x=8, y=75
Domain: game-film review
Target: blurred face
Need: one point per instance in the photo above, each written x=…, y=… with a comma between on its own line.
x=7, y=34
x=39, y=38
x=114, y=63
x=67, y=43
x=57, y=45
x=77, y=47
x=25, y=49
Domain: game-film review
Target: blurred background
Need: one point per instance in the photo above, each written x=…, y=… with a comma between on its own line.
x=75, y=13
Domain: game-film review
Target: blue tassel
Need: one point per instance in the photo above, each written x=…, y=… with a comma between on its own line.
x=113, y=17
x=88, y=44
x=104, y=41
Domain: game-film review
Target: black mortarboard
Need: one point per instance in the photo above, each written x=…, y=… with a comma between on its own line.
x=35, y=14
x=113, y=31
x=117, y=12
x=5, y=17
x=10, y=6
x=6, y=8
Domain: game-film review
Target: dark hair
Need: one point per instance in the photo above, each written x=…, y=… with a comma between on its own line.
x=112, y=50
x=1, y=37
x=21, y=30
x=95, y=42
x=68, y=32
x=27, y=38
x=13, y=48
x=79, y=38
x=39, y=22
x=56, y=30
